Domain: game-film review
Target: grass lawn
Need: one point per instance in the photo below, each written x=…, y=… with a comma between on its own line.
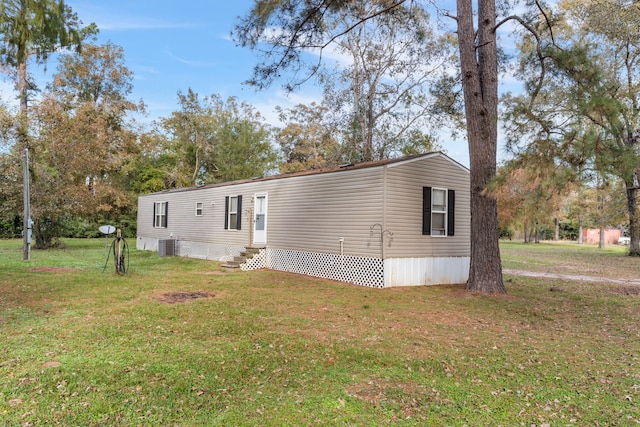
x=178, y=342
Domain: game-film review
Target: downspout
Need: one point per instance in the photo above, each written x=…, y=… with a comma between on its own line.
x=252, y=220
x=384, y=209
x=385, y=169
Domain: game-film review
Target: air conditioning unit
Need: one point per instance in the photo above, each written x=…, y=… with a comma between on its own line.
x=167, y=247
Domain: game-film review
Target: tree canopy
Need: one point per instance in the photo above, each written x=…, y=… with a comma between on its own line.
x=214, y=140
x=81, y=143
x=37, y=28
x=587, y=114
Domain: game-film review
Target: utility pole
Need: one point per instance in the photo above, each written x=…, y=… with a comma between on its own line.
x=26, y=229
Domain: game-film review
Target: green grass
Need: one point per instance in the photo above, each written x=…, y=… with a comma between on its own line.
x=83, y=347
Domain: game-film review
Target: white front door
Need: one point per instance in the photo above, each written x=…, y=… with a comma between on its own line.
x=260, y=219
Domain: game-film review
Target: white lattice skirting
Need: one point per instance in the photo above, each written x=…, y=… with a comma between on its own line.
x=363, y=271
x=351, y=269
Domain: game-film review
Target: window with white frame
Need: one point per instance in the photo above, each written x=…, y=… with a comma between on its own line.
x=438, y=216
x=233, y=212
x=160, y=210
x=199, y=207
x=438, y=212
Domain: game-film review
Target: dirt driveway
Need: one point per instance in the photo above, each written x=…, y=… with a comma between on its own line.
x=625, y=282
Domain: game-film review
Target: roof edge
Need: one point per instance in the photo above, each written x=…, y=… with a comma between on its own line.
x=362, y=165
x=429, y=155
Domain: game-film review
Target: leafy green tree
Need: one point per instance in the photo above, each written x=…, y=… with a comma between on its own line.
x=81, y=141
x=36, y=28
x=307, y=141
x=10, y=194
x=589, y=110
x=215, y=140
x=151, y=171
x=190, y=138
x=10, y=176
x=380, y=93
x=98, y=74
x=243, y=148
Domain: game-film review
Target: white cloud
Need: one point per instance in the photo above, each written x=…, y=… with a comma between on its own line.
x=266, y=103
x=189, y=62
x=134, y=23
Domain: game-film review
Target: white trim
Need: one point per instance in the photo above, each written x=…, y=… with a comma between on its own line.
x=445, y=212
x=392, y=164
x=232, y=225
x=162, y=214
x=201, y=208
x=428, y=156
x=255, y=212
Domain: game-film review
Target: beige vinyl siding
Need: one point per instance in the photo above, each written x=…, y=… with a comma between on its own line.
x=181, y=219
x=404, y=208
x=306, y=213
x=312, y=213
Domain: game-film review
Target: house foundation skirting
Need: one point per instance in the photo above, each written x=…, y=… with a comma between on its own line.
x=363, y=271
x=426, y=271
x=200, y=250
x=371, y=272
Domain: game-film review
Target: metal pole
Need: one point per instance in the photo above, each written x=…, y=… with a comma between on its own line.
x=26, y=255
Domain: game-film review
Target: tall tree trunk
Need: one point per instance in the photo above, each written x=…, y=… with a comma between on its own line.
x=479, y=65
x=601, y=237
x=634, y=221
x=580, y=230
x=43, y=239
x=556, y=233
x=23, y=141
x=22, y=86
x=601, y=216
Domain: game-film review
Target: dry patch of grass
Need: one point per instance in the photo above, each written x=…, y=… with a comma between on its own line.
x=50, y=269
x=180, y=297
x=626, y=290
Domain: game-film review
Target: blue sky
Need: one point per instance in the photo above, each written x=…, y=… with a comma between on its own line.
x=171, y=46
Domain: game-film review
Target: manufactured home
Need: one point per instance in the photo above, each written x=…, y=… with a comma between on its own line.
x=396, y=222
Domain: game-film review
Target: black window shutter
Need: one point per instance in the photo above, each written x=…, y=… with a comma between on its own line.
x=239, y=215
x=226, y=212
x=451, y=216
x=426, y=210
x=154, y=214
x=165, y=220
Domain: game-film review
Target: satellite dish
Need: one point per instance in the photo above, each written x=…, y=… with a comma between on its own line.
x=107, y=229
